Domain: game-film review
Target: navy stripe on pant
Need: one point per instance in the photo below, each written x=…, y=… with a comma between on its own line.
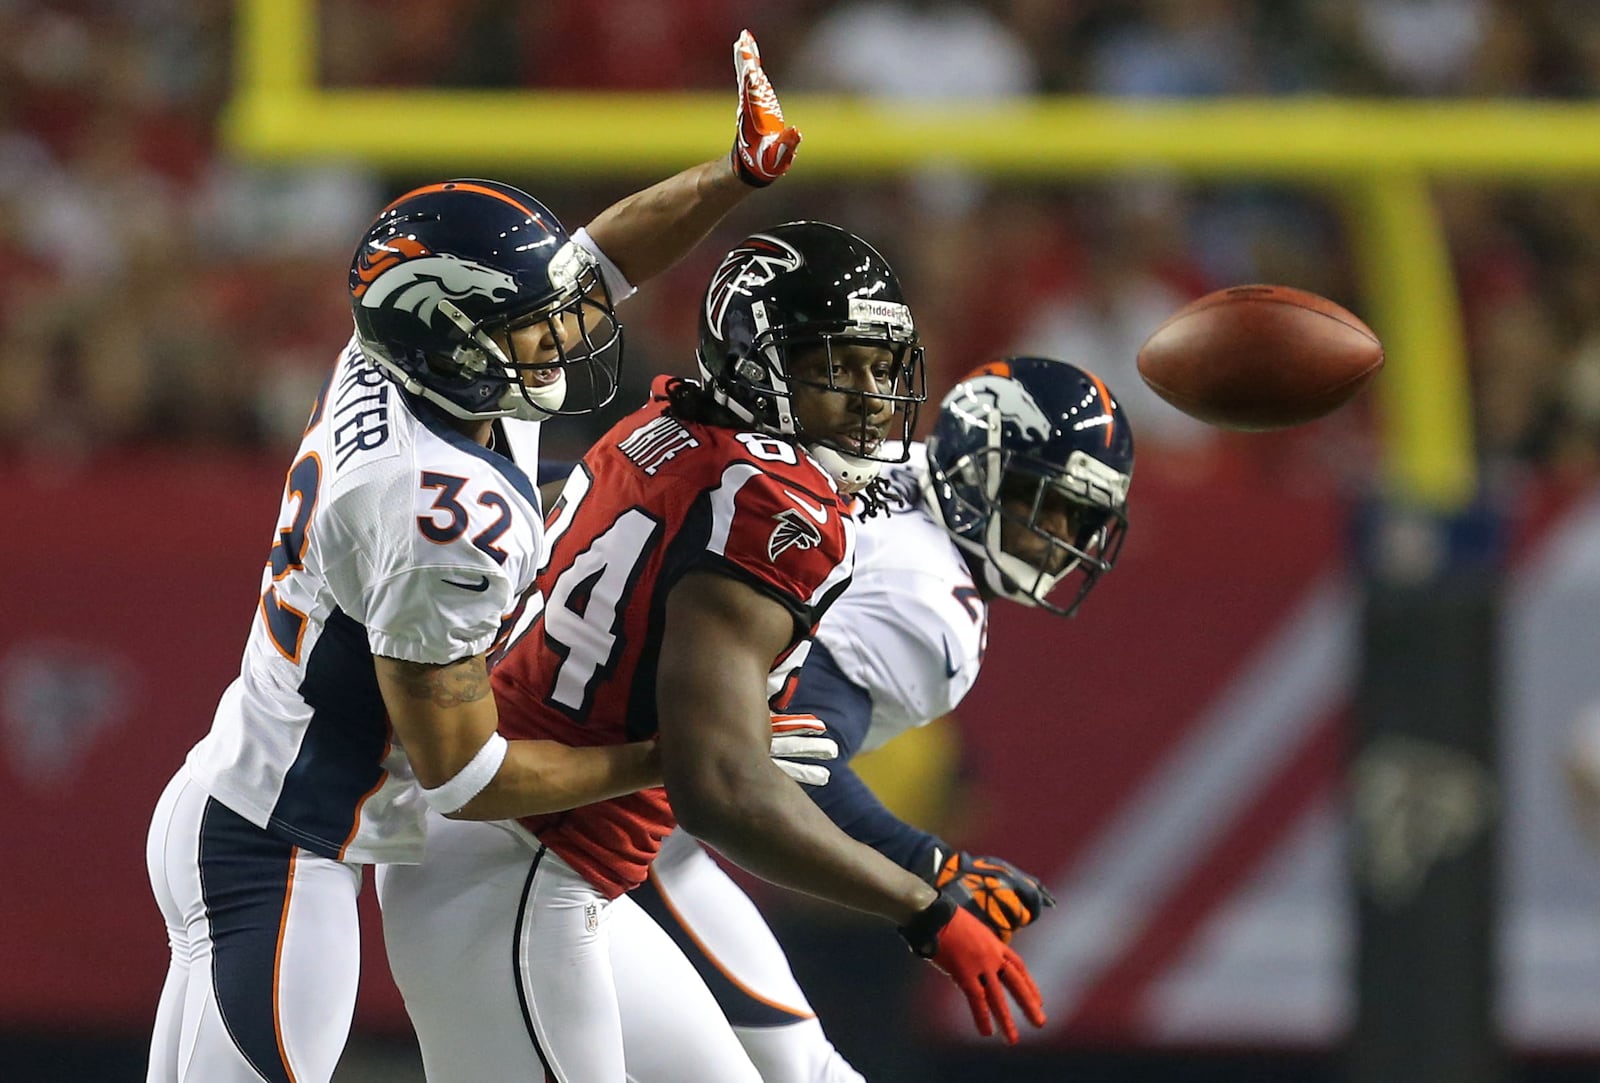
x=244, y=880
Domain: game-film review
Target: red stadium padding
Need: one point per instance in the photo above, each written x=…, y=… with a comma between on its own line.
x=127, y=588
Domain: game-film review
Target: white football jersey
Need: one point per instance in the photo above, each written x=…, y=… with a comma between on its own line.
x=911, y=629
x=398, y=536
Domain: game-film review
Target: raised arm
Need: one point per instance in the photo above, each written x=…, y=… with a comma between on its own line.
x=649, y=231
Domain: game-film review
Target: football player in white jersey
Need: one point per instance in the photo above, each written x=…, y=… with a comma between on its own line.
x=1019, y=493
x=405, y=546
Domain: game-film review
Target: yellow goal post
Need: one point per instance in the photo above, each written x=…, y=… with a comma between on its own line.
x=1375, y=158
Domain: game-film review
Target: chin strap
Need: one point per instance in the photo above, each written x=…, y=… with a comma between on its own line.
x=851, y=473
x=1001, y=569
x=536, y=402
x=1003, y=573
x=522, y=400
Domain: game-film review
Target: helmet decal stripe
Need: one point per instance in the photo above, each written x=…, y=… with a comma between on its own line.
x=377, y=257
x=1108, y=402
x=464, y=186
x=990, y=403
x=419, y=287
x=990, y=368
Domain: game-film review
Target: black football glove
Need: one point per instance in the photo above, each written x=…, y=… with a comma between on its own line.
x=998, y=893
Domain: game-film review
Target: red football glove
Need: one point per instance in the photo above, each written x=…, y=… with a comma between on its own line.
x=998, y=893
x=981, y=966
x=763, y=146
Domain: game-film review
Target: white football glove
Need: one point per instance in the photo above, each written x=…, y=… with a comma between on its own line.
x=803, y=736
x=763, y=145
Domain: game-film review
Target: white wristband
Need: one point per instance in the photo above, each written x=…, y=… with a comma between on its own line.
x=616, y=282
x=471, y=779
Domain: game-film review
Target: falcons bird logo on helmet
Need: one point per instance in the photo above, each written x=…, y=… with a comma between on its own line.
x=753, y=264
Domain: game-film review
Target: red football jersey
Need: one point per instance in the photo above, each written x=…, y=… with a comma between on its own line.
x=654, y=499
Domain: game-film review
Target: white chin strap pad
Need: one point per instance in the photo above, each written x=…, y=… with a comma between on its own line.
x=1027, y=584
x=546, y=399
x=850, y=472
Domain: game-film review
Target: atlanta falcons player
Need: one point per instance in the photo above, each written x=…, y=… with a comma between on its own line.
x=1019, y=493
x=693, y=551
x=404, y=549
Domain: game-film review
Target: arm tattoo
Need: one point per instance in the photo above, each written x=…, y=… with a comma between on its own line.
x=449, y=685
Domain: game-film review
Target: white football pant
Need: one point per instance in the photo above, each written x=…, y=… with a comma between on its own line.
x=266, y=948
x=729, y=942
x=512, y=964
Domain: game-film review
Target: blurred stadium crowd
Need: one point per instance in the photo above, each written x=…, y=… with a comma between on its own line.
x=155, y=291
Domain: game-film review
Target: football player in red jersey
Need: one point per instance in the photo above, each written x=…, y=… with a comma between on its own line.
x=1019, y=493
x=693, y=552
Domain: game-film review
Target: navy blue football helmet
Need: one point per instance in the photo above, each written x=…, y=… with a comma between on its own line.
x=447, y=271
x=808, y=285
x=1041, y=446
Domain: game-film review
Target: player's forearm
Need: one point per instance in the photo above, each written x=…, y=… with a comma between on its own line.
x=649, y=231
x=766, y=825
x=849, y=803
x=545, y=776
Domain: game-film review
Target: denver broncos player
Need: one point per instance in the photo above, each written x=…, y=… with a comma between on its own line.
x=1020, y=493
x=404, y=549
x=693, y=551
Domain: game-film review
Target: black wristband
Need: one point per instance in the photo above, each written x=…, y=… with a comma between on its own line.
x=744, y=174
x=921, y=933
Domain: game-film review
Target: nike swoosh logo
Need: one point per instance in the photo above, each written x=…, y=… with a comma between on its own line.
x=477, y=588
x=950, y=668
x=818, y=513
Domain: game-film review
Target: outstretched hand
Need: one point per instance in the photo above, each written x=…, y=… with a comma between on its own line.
x=763, y=145
x=983, y=968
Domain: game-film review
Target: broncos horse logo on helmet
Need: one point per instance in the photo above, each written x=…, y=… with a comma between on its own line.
x=446, y=273
x=1014, y=439
x=799, y=286
x=423, y=281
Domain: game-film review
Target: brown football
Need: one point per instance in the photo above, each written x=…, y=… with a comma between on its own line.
x=1260, y=357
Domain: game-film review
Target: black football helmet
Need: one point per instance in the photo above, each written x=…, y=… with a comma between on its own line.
x=808, y=285
x=443, y=275
x=1015, y=438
